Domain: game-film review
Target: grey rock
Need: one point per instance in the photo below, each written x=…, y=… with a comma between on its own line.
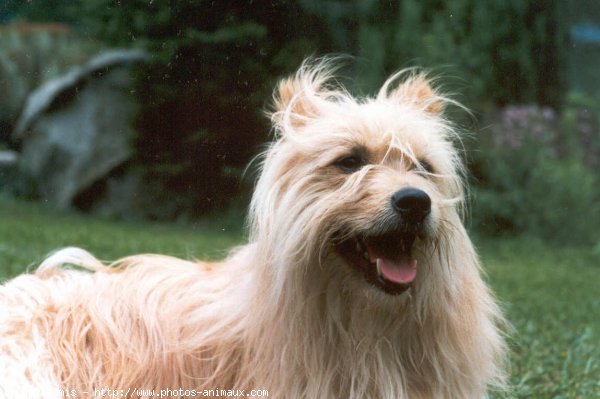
x=77, y=128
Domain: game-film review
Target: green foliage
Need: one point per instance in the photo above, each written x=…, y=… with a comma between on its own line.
x=508, y=52
x=532, y=178
x=202, y=98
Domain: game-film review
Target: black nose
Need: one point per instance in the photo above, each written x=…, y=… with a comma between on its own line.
x=411, y=203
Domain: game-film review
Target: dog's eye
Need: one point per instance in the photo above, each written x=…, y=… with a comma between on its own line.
x=424, y=166
x=350, y=163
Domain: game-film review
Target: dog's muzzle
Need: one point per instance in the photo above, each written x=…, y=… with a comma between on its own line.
x=383, y=255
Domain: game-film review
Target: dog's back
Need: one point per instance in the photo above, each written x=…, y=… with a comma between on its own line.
x=151, y=320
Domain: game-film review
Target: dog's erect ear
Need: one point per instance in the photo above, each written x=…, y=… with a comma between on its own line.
x=294, y=101
x=303, y=96
x=418, y=90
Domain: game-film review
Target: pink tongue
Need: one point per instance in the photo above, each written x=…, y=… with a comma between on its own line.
x=403, y=271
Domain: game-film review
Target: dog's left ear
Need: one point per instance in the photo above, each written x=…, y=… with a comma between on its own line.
x=418, y=90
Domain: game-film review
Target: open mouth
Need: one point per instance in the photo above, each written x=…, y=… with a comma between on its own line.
x=384, y=260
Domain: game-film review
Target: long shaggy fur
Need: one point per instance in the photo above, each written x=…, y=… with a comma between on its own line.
x=283, y=313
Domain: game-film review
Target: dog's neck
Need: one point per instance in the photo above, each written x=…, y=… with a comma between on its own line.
x=310, y=310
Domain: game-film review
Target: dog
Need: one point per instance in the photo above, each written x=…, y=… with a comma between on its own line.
x=359, y=279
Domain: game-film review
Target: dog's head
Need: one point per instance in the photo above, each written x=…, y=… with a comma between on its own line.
x=373, y=183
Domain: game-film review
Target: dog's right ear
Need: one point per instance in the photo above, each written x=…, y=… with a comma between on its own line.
x=303, y=96
x=294, y=102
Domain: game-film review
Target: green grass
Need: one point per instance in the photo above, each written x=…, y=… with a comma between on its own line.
x=551, y=295
x=30, y=231
x=551, y=298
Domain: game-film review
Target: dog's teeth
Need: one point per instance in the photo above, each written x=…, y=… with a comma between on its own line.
x=378, y=269
x=366, y=255
x=358, y=249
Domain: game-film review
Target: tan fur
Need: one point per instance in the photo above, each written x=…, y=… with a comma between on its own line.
x=284, y=313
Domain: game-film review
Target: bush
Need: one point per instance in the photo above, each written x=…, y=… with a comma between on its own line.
x=510, y=51
x=201, y=115
x=531, y=178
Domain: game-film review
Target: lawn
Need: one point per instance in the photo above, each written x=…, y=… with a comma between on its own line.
x=550, y=294
x=551, y=298
x=29, y=231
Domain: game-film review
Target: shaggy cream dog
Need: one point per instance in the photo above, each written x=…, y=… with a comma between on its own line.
x=358, y=281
